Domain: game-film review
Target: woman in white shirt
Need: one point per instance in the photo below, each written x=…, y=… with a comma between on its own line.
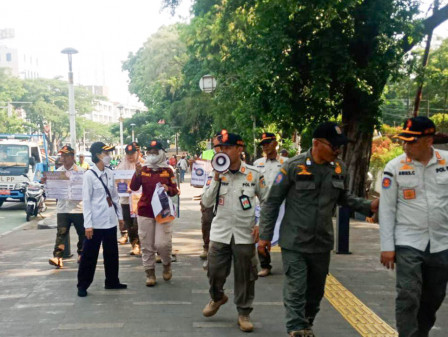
x=101, y=210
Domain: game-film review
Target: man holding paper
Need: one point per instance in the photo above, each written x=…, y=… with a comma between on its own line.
x=68, y=212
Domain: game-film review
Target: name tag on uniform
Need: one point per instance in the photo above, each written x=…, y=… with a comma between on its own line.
x=409, y=194
x=245, y=202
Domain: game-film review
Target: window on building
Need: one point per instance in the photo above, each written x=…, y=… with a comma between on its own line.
x=8, y=57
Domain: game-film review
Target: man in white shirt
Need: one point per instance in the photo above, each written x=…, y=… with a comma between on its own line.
x=413, y=221
x=68, y=212
x=269, y=166
x=102, y=212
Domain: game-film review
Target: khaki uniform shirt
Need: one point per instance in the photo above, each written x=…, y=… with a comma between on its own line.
x=311, y=191
x=231, y=219
x=269, y=168
x=414, y=203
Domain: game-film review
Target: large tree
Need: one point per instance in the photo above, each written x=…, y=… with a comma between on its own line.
x=298, y=63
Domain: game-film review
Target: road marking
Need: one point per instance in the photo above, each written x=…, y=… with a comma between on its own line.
x=360, y=317
x=162, y=303
x=206, y=291
x=268, y=303
x=42, y=305
x=4, y=297
x=83, y=326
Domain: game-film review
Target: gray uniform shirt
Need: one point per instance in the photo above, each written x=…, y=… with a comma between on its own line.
x=414, y=203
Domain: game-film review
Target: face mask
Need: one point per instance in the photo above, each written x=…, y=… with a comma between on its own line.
x=153, y=158
x=106, y=160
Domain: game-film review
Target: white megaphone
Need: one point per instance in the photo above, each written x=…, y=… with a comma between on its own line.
x=220, y=162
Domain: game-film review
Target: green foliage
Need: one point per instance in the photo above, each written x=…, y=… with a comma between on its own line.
x=441, y=122
x=383, y=151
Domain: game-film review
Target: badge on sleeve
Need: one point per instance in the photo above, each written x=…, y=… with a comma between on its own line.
x=209, y=181
x=409, y=194
x=278, y=178
x=245, y=202
x=387, y=182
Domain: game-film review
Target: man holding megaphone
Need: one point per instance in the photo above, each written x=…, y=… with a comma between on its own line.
x=232, y=188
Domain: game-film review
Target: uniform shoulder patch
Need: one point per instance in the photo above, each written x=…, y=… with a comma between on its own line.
x=387, y=182
x=279, y=178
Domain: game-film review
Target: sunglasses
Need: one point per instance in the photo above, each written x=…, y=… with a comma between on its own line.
x=333, y=147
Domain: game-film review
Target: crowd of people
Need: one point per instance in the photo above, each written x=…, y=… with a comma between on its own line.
x=240, y=209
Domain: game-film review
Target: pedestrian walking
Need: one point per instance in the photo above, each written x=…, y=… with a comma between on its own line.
x=130, y=228
x=312, y=184
x=102, y=212
x=269, y=166
x=414, y=227
x=68, y=212
x=82, y=162
x=183, y=166
x=233, y=232
x=154, y=236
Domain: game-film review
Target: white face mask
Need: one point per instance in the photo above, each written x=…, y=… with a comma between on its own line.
x=106, y=160
x=154, y=158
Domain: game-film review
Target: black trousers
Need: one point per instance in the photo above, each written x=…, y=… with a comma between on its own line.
x=64, y=221
x=89, y=257
x=421, y=286
x=130, y=224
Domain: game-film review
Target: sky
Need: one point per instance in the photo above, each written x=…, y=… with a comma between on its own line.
x=103, y=32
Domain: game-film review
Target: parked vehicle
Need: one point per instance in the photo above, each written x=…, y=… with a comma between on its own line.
x=35, y=199
x=21, y=160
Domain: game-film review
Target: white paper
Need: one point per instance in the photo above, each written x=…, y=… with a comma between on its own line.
x=122, y=181
x=161, y=203
x=199, y=172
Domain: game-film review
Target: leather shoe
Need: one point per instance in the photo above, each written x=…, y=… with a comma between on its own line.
x=116, y=286
x=212, y=307
x=82, y=292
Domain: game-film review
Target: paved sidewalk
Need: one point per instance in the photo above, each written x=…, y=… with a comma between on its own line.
x=38, y=300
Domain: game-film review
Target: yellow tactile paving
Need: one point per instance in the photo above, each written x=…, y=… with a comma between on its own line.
x=363, y=320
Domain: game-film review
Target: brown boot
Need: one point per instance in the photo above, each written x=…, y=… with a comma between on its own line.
x=302, y=333
x=150, y=277
x=245, y=323
x=124, y=238
x=136, y=250
x=204, y=254
x=56, y=261
x=167, y=273
x=212, y=307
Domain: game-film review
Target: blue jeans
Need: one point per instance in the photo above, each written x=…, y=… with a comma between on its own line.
x=182, y=175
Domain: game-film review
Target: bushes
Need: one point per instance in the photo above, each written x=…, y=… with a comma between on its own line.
x=384, y=149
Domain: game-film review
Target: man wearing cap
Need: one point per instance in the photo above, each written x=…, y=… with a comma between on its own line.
x=312, y=184
x=130, y=229
x=414, y=227
x=102, y=213
x=268, y=166
x=233, y=232
x=68, y=212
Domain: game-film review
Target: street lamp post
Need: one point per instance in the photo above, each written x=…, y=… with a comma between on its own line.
x=120, y=107
x=71, y=96
x=132, y=127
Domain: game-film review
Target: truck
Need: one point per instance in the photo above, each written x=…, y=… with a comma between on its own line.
x=23, y=158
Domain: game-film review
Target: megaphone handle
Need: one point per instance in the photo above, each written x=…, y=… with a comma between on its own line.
x=217, y=198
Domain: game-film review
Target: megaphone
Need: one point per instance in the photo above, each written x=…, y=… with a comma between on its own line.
x=220, y=162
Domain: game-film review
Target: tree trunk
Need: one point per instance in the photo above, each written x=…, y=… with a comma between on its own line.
x=358, y=122
x=357, y=156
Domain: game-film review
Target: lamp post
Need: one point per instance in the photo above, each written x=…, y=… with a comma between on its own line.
x=71, y=96
x=132, y=127
x=120, y=107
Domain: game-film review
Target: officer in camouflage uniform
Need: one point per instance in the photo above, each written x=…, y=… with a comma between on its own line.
x=312, y=183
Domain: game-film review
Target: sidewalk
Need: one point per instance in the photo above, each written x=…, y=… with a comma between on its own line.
x=38, y=300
